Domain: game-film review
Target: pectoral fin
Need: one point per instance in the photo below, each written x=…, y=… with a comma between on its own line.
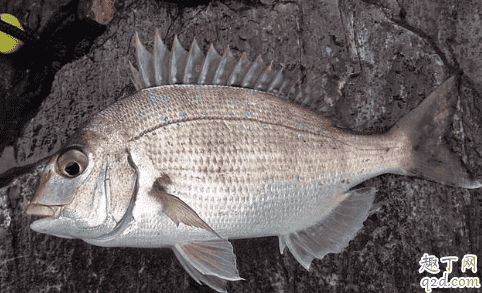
x=179, y=212
x=333, y=233
x=212, y=262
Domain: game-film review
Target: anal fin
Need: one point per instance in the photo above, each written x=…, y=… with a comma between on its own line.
x=332, y=233
x=212, y=262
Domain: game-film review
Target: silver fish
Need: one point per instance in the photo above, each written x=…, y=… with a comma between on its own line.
x=210, y=148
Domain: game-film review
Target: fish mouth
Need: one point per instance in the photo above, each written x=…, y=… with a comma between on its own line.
x=49, y=212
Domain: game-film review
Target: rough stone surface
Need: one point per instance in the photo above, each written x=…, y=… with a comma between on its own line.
x=371, y=62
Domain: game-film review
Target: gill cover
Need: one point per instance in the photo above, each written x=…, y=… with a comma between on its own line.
x=83, y=194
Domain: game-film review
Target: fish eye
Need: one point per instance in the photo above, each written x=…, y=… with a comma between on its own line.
x=72, y=163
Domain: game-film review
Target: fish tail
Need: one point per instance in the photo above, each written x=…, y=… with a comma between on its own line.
x=426, y=128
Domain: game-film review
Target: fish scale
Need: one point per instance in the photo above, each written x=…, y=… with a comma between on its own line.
x=229, y=155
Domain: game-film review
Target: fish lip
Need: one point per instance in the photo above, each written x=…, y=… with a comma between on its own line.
x=46, y=211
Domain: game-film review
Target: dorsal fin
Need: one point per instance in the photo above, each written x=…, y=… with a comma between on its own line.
x=164, y=67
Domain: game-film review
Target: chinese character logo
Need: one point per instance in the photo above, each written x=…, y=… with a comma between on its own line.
x=469, y=262
x=429, y=263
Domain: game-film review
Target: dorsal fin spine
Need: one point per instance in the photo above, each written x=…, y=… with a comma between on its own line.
x=209, y=66
x=275, y=85
x=253, y=73
x=161, y=61
x=225, y=67
x=265, y=78
x=144, y=60
x=285, y=87
x=194, y=64
x=239, y=71
x=136, y=78
x=178, y=62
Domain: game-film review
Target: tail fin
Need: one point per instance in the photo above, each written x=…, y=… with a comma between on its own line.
x=426, y=127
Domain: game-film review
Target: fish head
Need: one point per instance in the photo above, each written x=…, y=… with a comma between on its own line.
x=85, y=190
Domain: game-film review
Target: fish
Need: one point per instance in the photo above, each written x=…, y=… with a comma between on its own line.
x=212, y=148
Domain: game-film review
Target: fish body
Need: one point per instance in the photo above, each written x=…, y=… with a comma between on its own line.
x=246, y=178
x=223, y=155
